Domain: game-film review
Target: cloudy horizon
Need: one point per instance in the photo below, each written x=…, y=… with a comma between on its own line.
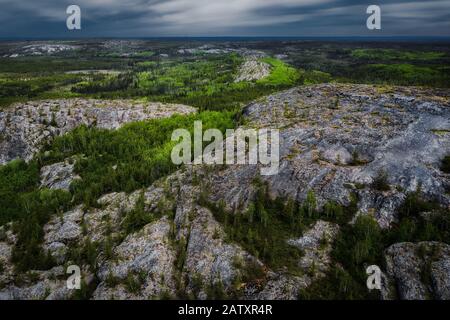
x=194, y=18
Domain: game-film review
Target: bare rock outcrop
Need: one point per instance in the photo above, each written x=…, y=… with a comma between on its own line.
x=58, y=175
x=419, y=271
x=253, y=69
x=165, y=256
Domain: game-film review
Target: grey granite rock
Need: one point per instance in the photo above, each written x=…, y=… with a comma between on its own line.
x=58, y=175
x=146, y=252
x=337, y=139
x=253, y=69
x=334, y=140
x=419, y=271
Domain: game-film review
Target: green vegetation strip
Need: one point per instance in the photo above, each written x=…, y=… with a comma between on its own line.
x=392, y=54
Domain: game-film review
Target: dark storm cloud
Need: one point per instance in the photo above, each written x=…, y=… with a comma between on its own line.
x=141, y=18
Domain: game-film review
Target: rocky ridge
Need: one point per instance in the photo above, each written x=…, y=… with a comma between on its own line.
x=24, y=127
x=339, y=139
x=334, y=140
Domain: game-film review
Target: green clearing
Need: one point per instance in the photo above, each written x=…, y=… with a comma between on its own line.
x=315, y=77
x=281, y=74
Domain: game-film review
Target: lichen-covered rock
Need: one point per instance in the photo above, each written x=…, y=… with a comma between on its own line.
x=283, y=287
x=209, y=259
x=61, y=232
x=6, y=269
x=253, y=69
x=337, y=155
x=147, y=253
x=336, y=140
x=71, y=230
x=440, y=277
x=419, y=271
x=104, y=221
x=49, y=285
x=58, y=175
x=207, y=255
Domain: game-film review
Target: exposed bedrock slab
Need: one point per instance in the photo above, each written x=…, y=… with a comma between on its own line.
x=337, y=139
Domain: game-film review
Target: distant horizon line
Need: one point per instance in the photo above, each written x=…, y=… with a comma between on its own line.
x=218, y=38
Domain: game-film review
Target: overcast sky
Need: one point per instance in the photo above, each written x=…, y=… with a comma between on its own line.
x=150, y=18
